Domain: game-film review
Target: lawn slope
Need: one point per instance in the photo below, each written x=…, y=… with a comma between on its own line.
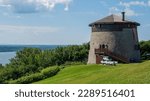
x=136, y=73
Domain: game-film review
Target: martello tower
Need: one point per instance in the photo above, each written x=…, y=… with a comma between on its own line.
x=116, y=37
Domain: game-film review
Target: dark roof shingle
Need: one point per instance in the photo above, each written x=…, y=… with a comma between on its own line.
x=112, y=19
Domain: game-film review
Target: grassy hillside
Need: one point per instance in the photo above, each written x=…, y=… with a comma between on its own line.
x=136, y=73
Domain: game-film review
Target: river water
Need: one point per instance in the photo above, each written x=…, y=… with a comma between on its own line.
x=5, y=56
x=9, y=51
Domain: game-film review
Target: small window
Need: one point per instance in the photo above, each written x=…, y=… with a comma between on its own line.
x=103, y=46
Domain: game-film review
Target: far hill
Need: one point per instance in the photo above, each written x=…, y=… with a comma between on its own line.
x=136, y=73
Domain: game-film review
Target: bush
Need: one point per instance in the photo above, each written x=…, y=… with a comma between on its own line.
x=28, y=79
x=50, y=71
x=45, y=73
x=145, y=50
x=8, y=74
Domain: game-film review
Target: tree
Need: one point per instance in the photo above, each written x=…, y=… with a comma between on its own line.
x=145, y=49
x=32, y=60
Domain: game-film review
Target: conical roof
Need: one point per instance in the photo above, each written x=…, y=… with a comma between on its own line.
x=112, y=19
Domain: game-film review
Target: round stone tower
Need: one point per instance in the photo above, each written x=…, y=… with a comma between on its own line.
x=115, y=37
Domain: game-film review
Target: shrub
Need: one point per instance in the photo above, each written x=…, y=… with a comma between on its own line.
x=45, y=73
x=50, y=71
x=145, y=50
x=28, y=79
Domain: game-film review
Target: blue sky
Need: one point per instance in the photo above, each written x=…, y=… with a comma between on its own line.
x=64, y=21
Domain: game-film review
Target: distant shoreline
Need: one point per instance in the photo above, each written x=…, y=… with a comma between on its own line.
x=9, y=51
x=14, y=48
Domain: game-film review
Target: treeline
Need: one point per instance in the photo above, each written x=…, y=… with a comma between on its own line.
x=145, y=50
x=33, y=60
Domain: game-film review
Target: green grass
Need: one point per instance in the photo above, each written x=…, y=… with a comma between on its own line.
x=136, y=73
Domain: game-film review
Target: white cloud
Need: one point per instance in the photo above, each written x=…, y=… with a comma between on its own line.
x=104, y=3
x=29, y=29
x=130, y=12
x=113, y=10
x=12, y=34
x=133, y=3
x=29, y=6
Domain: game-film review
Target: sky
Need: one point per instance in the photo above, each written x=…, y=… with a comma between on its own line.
x=63, y=22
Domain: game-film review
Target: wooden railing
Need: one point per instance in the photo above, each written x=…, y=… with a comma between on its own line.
x=105, y=51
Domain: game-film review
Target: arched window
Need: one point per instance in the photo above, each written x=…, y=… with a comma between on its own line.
x=103, y=46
